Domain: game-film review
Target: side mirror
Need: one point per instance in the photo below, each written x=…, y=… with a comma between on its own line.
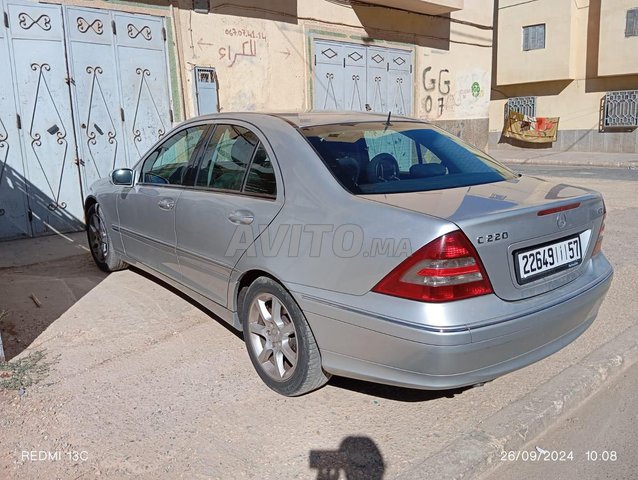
x=122, y=176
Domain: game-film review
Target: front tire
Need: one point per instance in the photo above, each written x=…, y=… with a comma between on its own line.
x=100, y=242
x=279, y=341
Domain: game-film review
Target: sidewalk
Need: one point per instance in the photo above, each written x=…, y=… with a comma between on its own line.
x=589, y=159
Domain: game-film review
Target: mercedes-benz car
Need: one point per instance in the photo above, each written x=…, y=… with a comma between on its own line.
x=368, y=246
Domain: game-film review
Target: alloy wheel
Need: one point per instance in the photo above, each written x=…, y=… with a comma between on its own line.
x=272, y=337
x=98, y=239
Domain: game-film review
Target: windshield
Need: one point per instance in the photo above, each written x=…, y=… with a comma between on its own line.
x=373, y=157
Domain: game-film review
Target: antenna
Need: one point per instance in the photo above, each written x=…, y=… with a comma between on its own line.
x=387, y=123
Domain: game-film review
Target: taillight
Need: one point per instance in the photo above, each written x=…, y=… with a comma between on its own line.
x=599, y=241
x=444, y=270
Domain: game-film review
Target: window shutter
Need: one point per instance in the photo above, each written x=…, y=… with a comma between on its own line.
x=526, y=45
x=631, y=28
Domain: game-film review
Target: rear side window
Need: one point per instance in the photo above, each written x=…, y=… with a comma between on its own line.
x=226, y=158
x=261, y=176
x=373, y=157
x=167, y=164
x=235, y=160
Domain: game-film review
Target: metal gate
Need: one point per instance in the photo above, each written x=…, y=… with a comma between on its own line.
x=82, y=91
x=362, y=78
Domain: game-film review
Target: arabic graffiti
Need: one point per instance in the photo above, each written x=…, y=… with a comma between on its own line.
x=248, y=49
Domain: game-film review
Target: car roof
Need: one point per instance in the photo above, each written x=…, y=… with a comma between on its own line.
x=307, y=119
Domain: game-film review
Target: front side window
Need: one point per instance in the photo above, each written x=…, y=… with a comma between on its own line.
x=167, y=164
x=372, y=157
x=534, y=37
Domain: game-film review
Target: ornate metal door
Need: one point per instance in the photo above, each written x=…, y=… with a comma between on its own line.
x=141, y=59
x=355, y=77
x=120, y=89
x=328, y=76
x=81, y=86
x=400, y=81
x=362, y=78
x=95, y=92
x=40, y=74
x=378, y=79
x=13, y=199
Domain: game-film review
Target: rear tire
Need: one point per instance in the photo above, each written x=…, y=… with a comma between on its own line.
x=279, y=341
x=100, y=242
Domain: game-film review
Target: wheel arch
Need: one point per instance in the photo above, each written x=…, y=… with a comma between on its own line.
x=88, y=203
x=244, y=281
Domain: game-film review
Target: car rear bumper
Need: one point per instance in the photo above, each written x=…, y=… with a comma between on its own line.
x=357, y=344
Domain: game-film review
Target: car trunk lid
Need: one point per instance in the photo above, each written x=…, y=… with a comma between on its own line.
x=513, y=217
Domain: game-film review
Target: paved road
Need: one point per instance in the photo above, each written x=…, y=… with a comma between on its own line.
x=628, y=174
x=601, y=434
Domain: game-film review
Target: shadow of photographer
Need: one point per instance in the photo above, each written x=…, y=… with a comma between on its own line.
x=358, y=458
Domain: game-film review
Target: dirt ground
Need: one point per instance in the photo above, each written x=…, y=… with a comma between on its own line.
x=34, y=296
x=135, y=380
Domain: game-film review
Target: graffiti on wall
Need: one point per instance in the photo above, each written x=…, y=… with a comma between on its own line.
x=447, y=94
x=248, y=47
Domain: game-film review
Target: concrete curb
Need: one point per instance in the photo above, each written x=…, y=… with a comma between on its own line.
x=571, y=159
x=514, y=426
x=570, y=162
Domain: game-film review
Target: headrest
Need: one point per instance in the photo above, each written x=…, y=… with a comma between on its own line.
x=383, y=167
x=423, y=170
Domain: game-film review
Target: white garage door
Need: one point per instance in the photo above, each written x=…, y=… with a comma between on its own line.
x=362, y=78
x=84, y=91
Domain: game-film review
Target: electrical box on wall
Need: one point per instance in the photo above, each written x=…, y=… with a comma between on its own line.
x=206, y=90
x=201, y=6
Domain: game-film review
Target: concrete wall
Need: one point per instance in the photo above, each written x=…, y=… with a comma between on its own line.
x=554, y=62
x=577, y=101
x=620, y=52
x=452, y=54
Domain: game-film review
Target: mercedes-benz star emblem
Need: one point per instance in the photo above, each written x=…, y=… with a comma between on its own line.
x=561, y=220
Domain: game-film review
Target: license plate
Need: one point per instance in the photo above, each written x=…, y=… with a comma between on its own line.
x=540, y=261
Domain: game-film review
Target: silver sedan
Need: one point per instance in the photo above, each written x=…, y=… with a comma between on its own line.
x=360, y=245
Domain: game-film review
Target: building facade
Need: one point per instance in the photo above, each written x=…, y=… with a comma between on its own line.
x=573, y=59
x=88, y=86
x=428, y=59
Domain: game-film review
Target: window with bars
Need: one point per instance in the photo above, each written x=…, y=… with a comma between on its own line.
x=621, y=109
x=524, y=105
x=534, y=37
x=631, y=30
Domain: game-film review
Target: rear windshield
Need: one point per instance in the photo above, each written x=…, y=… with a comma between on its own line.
x=373, y=157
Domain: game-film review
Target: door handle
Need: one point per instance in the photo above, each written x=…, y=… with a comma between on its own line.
x=166, y=204
x=243, y=217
